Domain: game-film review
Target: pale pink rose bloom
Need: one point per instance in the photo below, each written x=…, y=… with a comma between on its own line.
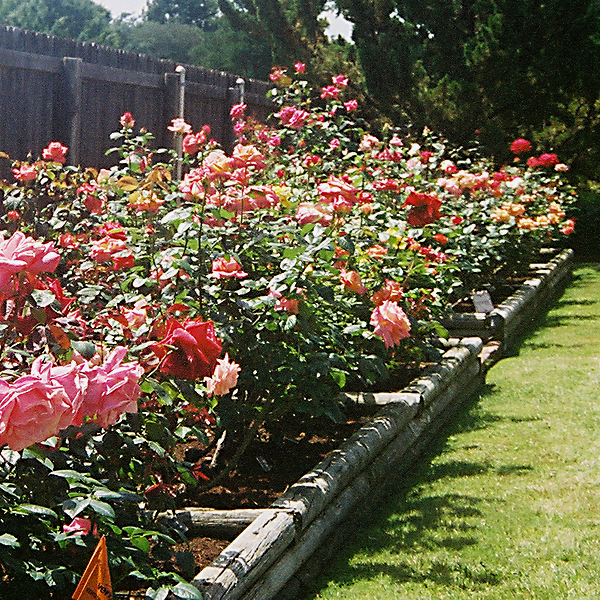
x=31, y=411
x=37, y=256
x=224, y=378
x=55, y=152
x=561, y=167
x=396, y=141
x=308, y=212
x=193, y=183
x=113, y=389
x=248, y=156
x=390, y=323
x=351, y=281
x=369, y=142
x=80, y=526
x=180, y=126
x=226, y=269
x=21, y=253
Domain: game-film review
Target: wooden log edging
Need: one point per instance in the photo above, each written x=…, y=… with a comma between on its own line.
x=522, y=307
x=286, y=544
x=259, y=562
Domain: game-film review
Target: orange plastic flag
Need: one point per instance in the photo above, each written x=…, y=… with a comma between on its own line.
x=95, y=581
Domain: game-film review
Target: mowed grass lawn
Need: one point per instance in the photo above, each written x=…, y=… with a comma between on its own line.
x=508, y=505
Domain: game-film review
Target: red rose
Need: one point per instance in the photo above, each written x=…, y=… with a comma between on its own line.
x=520, y=146
x=425, y=209
x=189, y=350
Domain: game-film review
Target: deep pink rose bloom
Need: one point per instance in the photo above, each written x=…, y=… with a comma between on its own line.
x=300, y=67
x=425, y=209
x=80, y=526
x=189, y=350
x=520, y=146
x=31, y=411
x=330, y=91
x=237, y=111
x=55, y=152
x=548, y=160
x=390, y=323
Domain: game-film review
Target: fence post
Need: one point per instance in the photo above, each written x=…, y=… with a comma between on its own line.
x=72, y=70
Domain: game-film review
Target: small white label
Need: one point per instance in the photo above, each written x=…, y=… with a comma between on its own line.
x=482, y=301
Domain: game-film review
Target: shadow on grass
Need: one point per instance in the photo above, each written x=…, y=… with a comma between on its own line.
x=409, y=522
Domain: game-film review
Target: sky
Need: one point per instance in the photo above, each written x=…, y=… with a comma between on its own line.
x=338, y=26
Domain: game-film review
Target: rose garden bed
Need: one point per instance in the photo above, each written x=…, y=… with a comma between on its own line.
x=289, y=513
x=176, y=329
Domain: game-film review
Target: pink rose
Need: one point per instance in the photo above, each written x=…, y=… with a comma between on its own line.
x=300, y=67
x=21, y=253
x=31, y=411
x=25, y=173
x=179, y=126
x=112, y=389
x=237, y=111
x=80, y=526
x=127, y=120
x=308, y=212
x=225, y=269
x=55, y=152
x=224, y=378
x=390, y=323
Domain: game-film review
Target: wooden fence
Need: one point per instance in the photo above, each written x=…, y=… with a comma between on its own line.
x=53, y=89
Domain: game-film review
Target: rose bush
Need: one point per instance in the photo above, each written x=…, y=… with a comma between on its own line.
x=315, y=258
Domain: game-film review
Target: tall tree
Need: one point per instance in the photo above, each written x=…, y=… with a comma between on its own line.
x=76, y=19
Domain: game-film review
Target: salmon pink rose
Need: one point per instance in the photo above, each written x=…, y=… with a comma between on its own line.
x=31, y=411
x=80, y=526
x=189, y=350
x=351, y=281
x=224, y=379
x=391, y=323
x=25, y=173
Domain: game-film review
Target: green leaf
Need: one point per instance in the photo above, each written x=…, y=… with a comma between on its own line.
x=86, y=349
x=6, y=539
x=75, y=476
x=186, y=591
x=43, y=298
x=102, y=508
x=141, y=543
x=35, y=509
x=73, y=507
